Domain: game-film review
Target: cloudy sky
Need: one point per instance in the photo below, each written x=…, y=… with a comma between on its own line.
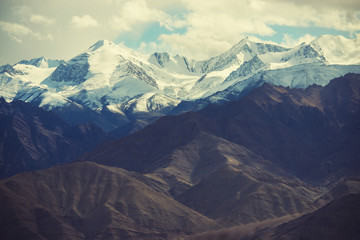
x=198, y=29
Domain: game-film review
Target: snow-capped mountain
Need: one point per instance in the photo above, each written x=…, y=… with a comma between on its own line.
x=42, y=62
x=112, y=85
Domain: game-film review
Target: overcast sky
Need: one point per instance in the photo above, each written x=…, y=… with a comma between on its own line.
x=198, y=29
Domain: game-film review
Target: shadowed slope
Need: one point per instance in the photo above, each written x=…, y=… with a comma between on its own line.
x=143, y=150
x=337, y=220
x=241, y=195
x=32, y=138
x=340, y=219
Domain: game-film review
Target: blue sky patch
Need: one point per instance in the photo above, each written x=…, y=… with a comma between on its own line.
x=151, y=33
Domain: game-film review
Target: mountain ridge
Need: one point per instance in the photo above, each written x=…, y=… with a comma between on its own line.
x=136, y=88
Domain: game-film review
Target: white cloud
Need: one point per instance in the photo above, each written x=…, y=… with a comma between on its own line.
x=39, y=19
x=214, y=26
x=136, y=12
x=193, y=46
x=17, y=32
x=321, y=4
x=208, y=26
x=83, y=22
x=14, y=28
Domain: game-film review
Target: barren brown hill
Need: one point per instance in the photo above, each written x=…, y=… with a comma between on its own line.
x=339, y=220
x=90, y=201
x=229, y=183
x=238, y=195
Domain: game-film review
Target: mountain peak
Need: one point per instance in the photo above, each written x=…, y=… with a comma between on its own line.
x=100, y=44
x=250, y=40
x=245, y=40
x=255, y=46
x=115, y=49
x=242, y=42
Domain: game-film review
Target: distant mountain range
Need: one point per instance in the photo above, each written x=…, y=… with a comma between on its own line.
x=245, y=169
x=121, y=90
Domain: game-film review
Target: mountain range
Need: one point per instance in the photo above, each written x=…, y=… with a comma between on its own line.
x=122, y=91
x=274, y=164
x=298, y=130
x=259, y=142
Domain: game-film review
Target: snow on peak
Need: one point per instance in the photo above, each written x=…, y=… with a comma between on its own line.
x=106, y=47
x=255, y=47
x=107, y=74
x=101, y=43
x=241, y=52
x=151, y=102
x=176, y=64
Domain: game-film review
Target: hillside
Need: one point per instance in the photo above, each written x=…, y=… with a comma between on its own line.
x=90, y=201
